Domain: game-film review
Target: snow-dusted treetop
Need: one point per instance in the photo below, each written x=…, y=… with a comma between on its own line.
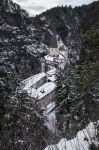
x=35, y=7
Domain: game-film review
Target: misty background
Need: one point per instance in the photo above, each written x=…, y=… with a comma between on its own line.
x=35, y=7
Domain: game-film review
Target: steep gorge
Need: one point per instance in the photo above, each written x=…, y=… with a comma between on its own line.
x=23, y=41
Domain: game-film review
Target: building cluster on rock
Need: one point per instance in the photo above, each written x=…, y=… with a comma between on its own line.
x=41, y=87
x=56, y=58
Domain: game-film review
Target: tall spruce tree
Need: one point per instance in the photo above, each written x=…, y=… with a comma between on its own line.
x=75, y=99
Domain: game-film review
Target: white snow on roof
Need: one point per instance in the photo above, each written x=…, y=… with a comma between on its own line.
x=52, y=74
x=52, y=71
x=32, y=80
x=78, y=142
x=49, y=58
x=61, y=57
x=32, y=92
x=52, y=78
x=42, y=91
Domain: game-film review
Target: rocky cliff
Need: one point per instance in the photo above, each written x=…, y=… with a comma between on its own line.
x=23, y=41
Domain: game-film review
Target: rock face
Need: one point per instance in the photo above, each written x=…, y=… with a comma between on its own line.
x=24, y=39
x=79, y=30
x=69, y=24
x=64, y=23
x=18, y=42
x=20, y=50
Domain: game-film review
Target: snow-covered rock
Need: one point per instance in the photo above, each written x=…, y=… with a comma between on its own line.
x=82, y=140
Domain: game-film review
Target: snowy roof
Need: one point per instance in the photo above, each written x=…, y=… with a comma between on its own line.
x=42, y=91
x=32, y=80
x=51, y=74
x=52, y=78
x=49, y=58
x=52, y=71
x=61, y=56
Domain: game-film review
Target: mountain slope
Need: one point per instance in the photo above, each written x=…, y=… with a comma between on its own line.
x=69, y=24
x=23, y=41
x=20, y=50
x=79, y=30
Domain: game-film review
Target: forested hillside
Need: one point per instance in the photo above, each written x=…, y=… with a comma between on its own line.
x=20, y=126
x=23, y=41
x=77, y=88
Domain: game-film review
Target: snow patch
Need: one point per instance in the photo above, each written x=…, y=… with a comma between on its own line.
x=81, y=142
x=49, y=58
x=51, y=117
x=52, y=74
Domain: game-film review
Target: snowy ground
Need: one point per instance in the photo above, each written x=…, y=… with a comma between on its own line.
x=81, y=142
x=50, y=115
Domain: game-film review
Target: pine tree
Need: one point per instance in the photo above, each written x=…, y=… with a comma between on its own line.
x=75, y=99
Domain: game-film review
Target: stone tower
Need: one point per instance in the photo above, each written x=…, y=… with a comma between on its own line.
x=42, y=65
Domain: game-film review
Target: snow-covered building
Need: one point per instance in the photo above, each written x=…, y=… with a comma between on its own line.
x=56, y=46
x=51, y=74
x=49, y=62
x=40, y=87
x=56, y=62
x=43, y=95
x=34, y=81
x=57, y=57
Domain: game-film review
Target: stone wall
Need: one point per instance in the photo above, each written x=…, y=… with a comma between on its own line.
x=43, y=102
x=54, y=52
x=50, y=67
